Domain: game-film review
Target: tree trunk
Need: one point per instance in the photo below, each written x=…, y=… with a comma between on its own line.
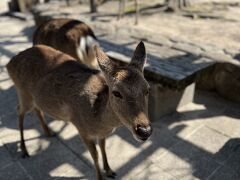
x=121, y=9
x=175, y=5
x=93, y=6
x=136, y=12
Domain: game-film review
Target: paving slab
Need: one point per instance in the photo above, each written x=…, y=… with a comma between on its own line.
x=230, y=169
x=6, y=158
x=210, y=141
x=187, y=48
x=9, y=123
x=14, y=171
x=224, y=124
x=153, y=172
x=187, y=161
x=54, y=160
x=225, y=172
x=129, y=156
x=69, y=136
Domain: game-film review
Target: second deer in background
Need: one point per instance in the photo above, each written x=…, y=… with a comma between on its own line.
x=69, y=36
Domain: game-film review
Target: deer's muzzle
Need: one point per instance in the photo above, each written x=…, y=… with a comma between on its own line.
x=143, y=132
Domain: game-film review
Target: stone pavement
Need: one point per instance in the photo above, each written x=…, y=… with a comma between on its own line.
x=199, y=141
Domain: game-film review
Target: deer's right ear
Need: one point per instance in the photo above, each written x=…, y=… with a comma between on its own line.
x=105, y=63
x=139, y=57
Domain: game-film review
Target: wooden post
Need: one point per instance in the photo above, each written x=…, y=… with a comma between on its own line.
x=93, y=6
x=175, y=5
x=136, y=12
x=22, y=6
x=121, y=9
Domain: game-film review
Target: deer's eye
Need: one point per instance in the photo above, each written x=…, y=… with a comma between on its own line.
x=117, y=94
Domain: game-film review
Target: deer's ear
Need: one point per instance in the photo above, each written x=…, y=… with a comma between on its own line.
x=105, y=63
x=139, y=57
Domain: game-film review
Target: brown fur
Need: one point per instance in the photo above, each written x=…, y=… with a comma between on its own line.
x=65, y=35
x=52, y=82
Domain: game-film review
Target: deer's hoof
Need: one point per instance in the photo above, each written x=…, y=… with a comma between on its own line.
x=25, y=155
x=111, y=174
x=51, y=134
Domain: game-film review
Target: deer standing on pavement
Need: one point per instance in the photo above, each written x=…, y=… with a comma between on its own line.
x=96, y=102
x=69, y=36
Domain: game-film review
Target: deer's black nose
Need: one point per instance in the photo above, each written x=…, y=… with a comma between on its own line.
x=143, y=132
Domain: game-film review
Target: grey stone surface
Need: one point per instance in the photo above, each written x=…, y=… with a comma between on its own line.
x=153, y=172
x=209, y=48
x=230, y=170
x=54, y=161
x=14, y=172
x=6, y=158
x=225, y=172
x=210, y=141
x=232, y=52
x=186, y=160
x=220, y=122
x=219, y=57
x=187, y=48
x=161, y=40
x=139, y=155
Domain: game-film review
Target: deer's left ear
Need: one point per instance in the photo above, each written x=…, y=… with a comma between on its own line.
x=139, y=57
x=105, y=64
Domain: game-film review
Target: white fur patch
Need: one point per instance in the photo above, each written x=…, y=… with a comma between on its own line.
x=87, y=42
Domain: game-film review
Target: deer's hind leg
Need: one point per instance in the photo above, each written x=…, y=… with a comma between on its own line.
x=41, y=118
x=25, y=105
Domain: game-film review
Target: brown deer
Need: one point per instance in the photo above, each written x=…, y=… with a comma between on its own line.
x=69, y=36
x=96, y=102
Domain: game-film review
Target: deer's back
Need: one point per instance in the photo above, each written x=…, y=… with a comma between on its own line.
x=62, y=34
x=30, y=65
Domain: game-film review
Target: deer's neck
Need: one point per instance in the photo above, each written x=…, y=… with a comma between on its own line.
x=110, y=117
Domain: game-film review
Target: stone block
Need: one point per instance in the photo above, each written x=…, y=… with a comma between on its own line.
x=163, y=100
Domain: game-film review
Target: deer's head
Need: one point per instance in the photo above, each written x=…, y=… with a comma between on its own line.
x=128, y=91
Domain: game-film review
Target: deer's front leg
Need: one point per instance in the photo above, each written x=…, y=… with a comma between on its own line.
x=93, y=151
x=106, y=166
